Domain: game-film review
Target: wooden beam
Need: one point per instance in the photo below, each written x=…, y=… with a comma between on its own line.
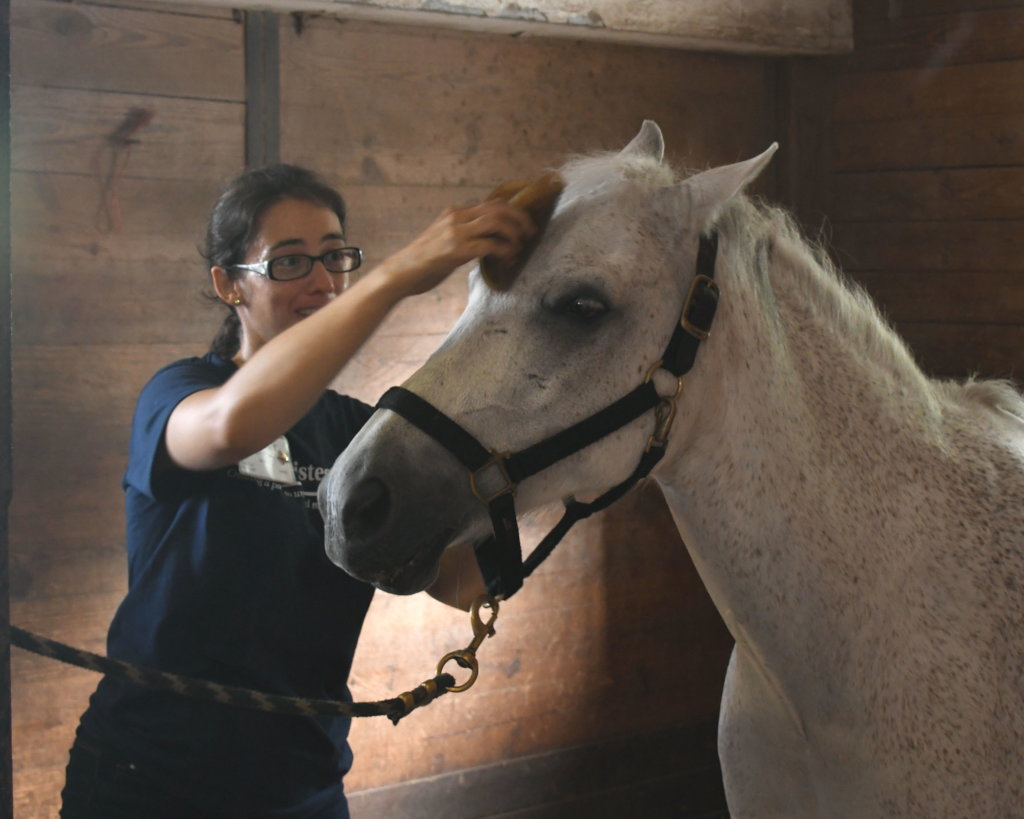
x=262, y=89
x=6, y=752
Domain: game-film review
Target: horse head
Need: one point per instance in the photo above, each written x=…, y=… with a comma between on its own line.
x=584, y=321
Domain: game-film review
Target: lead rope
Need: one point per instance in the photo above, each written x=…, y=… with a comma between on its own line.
x=394, y=709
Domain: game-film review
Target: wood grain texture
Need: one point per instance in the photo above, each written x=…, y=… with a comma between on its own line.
x=97, y=307
x=960, y=350
x=930, y=91
x=61, y=130
x=948, y=296
x=933, y=195
x=957, y=140
x=901, y=9
x=926, y=176
x=140, y=284
x=672, y=772
x=82, y=45
x=905, y=40
x=398, y=106
x=959, y=245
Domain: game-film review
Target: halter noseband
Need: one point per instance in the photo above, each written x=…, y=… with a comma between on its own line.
x=500, y=556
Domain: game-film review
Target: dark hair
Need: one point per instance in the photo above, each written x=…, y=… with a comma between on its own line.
x=234, y=222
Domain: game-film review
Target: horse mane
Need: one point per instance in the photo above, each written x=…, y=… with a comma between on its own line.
x=843, y=302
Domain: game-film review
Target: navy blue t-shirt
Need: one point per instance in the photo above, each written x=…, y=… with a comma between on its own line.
x=229, y=581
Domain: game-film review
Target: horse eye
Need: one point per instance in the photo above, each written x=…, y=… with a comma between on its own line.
x=585, y=307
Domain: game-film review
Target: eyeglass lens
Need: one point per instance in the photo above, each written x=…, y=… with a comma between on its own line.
x=297, y=265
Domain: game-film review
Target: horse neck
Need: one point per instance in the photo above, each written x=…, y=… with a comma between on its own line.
x=794, y=413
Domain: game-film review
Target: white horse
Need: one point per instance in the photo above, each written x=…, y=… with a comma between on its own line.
x=859, y=526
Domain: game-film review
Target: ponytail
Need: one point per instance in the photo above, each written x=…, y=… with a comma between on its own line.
x=228, y=341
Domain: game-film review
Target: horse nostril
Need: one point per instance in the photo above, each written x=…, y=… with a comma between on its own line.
x=366, y=508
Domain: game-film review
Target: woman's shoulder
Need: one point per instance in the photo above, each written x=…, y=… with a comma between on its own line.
x=348, y=408
x=207, y=368
x=174, y=381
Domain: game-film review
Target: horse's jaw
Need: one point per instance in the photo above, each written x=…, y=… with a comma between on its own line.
x=395, y=539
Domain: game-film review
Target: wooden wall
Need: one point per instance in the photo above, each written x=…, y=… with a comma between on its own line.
x=614, y=638
x=919, y=139
x=99, y=304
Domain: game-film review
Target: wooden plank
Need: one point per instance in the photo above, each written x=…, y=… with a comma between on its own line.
x=54, y=309
x=960, y=350
x=986, y=140
x=954, y=91
x=68, y=566
x=805, y=134
x=484, y=111
x=104, y=381
x=64, y=130
x=163, y=220
x=93, y=516
x=6, y=415
x=37, y=792
x=897, y=246
x=212, y=10
x=670, y=772
x=948, y=296
x=930, y=195
x=74, y=406
x=117, y=49
x=899, y=9
x=141, y=284
x=926, y=42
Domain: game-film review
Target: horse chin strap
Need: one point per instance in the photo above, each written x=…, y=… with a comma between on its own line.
x=494, y=476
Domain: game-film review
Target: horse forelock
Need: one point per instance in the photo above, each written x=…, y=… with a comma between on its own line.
x=588, y=174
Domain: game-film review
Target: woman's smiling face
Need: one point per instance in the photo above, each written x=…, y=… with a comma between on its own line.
x=269, y=307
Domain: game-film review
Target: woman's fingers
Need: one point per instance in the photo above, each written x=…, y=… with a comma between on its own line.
x=458, y=236
x=492, y=227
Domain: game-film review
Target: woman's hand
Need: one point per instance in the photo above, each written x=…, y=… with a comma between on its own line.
x=456, y=237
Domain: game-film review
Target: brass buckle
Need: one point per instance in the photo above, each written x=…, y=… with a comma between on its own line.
x=700, y=333
x=497, y=460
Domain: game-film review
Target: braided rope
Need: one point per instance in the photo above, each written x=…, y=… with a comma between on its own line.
x=394, y=709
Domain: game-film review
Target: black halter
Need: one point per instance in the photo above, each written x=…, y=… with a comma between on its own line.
x=500, y=556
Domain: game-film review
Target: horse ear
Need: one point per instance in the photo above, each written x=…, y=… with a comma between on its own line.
x=711, y=189
x=648, y=142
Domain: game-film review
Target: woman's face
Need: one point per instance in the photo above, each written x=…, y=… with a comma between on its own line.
x=269, y=307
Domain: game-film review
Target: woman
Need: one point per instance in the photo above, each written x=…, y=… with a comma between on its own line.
x=228, y=580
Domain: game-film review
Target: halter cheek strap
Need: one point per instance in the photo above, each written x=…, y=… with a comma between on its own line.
x=495, y=476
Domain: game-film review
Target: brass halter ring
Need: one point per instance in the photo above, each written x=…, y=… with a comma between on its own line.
x=665, y=412
x=466, y=658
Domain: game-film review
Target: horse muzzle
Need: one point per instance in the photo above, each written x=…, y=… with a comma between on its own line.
x=391, y=505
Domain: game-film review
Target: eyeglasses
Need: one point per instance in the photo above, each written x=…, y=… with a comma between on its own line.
x=296, y=265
